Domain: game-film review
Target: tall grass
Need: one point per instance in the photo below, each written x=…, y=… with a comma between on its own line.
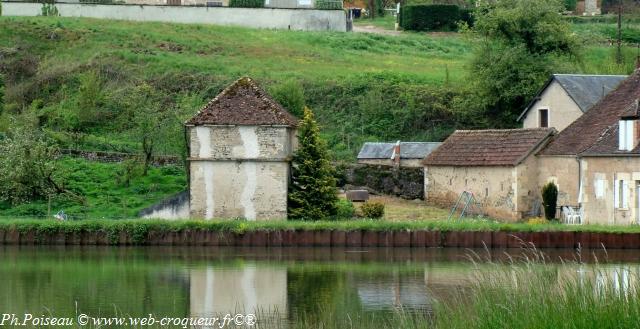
x=532, y=294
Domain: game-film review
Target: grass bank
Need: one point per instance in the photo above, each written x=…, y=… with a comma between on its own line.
x=242, y=226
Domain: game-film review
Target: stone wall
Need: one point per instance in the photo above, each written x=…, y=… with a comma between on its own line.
x=175, y=207
x=403, y=182
x=494, y=188
x=264, y=18
x=240, y=171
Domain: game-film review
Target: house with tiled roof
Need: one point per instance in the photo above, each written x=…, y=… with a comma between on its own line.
x=497, y=166
x=566, y=97
x=594, y=161
x=241, y=144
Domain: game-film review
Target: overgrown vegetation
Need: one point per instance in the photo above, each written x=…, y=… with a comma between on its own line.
x=101, y=190
x=520, y=44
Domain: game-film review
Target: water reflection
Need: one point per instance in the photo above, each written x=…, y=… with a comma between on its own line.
x=286, y=281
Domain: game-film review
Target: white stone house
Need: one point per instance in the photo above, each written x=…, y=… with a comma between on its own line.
x=566, y=97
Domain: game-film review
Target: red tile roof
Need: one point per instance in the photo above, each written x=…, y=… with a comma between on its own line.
x=593, y=133
x=243, y=103
x=496, y=147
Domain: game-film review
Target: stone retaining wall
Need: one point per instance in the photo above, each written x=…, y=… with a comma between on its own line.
x=335, y=238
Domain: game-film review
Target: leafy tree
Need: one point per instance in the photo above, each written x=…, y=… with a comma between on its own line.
x=550, y=200
x=145, y=106
x=312, y=194
x=520, y=42
x=85, y=113
x=28, y=170
x=291, y=96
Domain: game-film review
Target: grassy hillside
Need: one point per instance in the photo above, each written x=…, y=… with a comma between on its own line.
x=103, y=192
x=362, y=86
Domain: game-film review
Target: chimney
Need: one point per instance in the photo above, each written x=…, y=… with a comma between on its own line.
x=396, y=154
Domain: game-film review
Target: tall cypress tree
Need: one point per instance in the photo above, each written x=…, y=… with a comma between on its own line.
x=312, y=194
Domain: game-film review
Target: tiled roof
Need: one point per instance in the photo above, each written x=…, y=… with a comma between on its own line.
x=585, y=90
x=243, y=103
x=408, y=150
x=597, y=125
x=499, y=147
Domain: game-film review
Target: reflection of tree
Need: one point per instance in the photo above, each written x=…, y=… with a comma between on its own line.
x=105, y=286
x=312, y=293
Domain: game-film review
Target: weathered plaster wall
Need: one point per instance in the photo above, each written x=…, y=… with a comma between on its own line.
x=243, y=290
x=264, y=18
x=234, y=189
x=564, y=172
x=494, y=187
x=240, y=171
x=562, y=109
x=599, y=209
x=412, y=163
x=241, y=142
x=527, y=187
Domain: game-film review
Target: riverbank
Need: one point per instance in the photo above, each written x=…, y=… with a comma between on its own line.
x=354, y=234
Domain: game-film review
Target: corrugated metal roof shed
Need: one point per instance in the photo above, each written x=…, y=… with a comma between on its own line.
x=408, y=150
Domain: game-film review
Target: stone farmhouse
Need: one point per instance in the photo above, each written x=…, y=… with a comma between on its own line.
x=594, y=160
x=399, y=154
x=566, y=97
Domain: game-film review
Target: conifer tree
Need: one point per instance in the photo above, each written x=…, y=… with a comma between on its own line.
x=312, y=194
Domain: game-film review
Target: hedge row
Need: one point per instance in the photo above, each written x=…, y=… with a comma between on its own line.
x=328, y=4
x=246, y=3
x=433, y=17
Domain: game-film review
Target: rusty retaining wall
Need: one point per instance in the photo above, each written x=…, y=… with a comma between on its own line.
x=332, y=238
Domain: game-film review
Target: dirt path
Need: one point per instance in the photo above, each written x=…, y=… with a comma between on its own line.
x=375, y=30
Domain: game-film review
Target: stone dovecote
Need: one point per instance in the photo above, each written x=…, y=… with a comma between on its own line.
x=241, y=144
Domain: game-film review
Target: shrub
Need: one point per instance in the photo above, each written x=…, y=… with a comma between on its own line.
x=246, y=3
x=328, y=5
x=537, y=221
x=312, y=194
x=345, y=209
x=430, y=17
x=372, y=209
x=549, y=200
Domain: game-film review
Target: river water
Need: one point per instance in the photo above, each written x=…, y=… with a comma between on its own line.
x=287, y=283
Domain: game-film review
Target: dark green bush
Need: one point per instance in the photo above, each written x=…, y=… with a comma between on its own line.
x=328, y=4
x=466, y=16
x=430, y=17
x=570, y=5
x=246, y=3
x=372, y=209
x=549, y=200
